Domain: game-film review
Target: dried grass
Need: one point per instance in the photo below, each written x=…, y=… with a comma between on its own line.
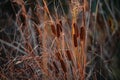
x=48, y=48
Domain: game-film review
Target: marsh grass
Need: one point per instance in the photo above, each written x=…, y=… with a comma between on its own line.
x=50, y=47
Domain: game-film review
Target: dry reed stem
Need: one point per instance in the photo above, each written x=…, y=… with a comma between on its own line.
x=83, y=62
x=29, y=49
x=83, y=42
x=47, y=10
x=23, y=13
x=35, y=8
x=23, y=16
x=45, y=59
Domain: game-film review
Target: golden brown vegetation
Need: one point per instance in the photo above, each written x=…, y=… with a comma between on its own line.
x=53, y=46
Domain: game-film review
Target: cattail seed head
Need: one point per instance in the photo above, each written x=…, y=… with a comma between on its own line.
x=75, y=40
x=76, y=29
x=56, y=68
x=53, y=29
x=82, y=33
x=69, y=55
x=58, y=55
x=63, y=65
x=74, y=33
x=59, y=29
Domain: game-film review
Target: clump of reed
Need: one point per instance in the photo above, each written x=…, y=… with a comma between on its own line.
x=47, y=48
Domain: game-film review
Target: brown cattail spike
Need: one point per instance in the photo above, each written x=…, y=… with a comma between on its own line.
x=60, y=59
x=75, y=40
x=58, y=55
x=23, y=18
x=60, y=22
x=82, y=33
x=76, y=29
x=69, y=55
x=56, y=68
x=63, y=65
x=59, y=29
x=74, y=33
x=53, y=29
x=50, y=66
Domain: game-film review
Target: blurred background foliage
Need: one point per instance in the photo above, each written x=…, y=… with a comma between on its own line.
x=111, y=12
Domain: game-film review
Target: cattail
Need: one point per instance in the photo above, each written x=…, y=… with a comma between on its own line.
x=60, y=22
x=50, y=66
x=29, y=49
x=59, y=29
x=76, y=29
x=53, y=29
x=75, y=40
x=61, y=61
x=82, y=33
x=75, y=34
x=23, y=18
x=56, y=68
x=69, y=55
x=58, y=55
x=63, y=65
x=60, y=25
